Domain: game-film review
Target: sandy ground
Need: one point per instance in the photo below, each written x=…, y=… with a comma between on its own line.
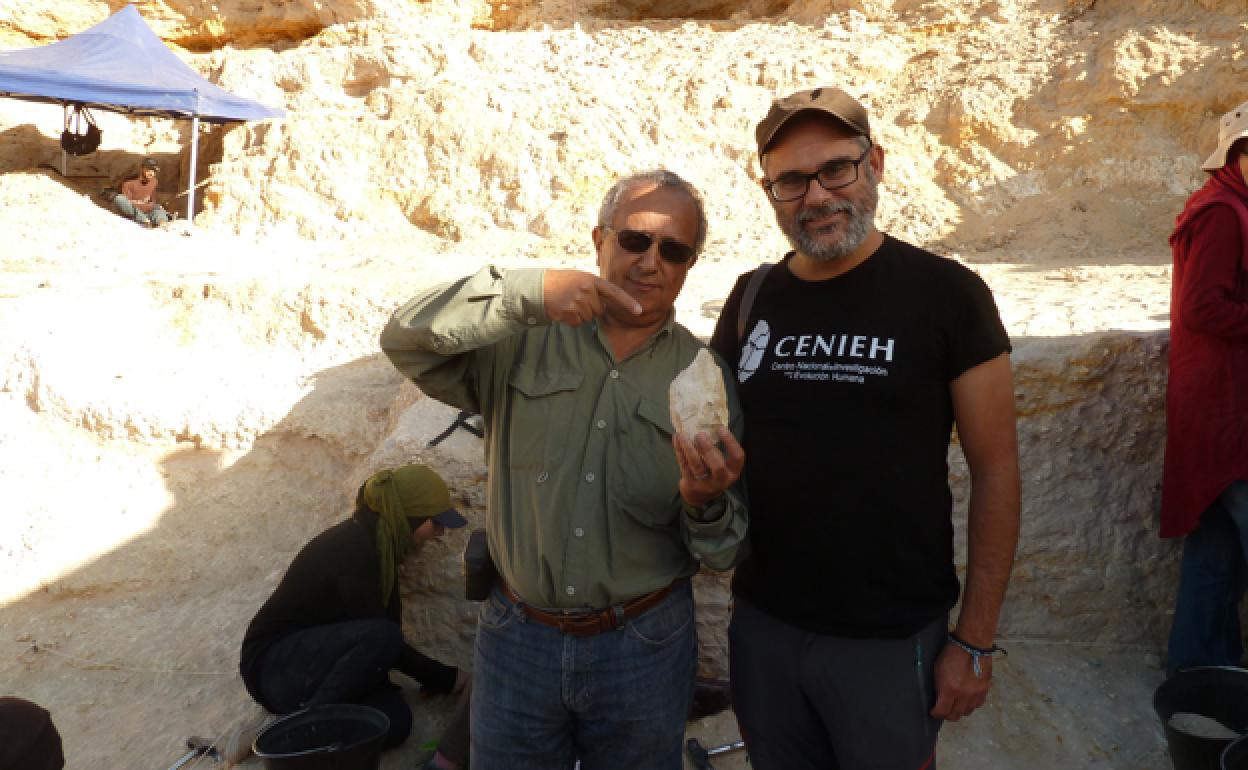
x=130, y=634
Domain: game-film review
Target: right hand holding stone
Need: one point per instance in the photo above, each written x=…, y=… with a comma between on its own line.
x=575, y=296
x=705, y=471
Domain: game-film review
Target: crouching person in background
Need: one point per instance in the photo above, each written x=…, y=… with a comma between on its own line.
x=331, y=632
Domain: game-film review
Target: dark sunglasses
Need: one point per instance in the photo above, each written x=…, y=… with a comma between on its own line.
x=637, y=242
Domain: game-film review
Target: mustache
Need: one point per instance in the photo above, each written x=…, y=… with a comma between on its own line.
x=812, y=213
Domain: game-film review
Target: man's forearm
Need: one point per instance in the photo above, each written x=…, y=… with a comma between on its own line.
x=467, y=314
x=983, y=403
x=429, y=339
x=992, y=534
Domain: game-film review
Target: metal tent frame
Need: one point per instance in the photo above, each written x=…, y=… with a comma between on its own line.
x=120, y=65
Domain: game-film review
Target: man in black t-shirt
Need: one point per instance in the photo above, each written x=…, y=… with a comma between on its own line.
x=857, y=354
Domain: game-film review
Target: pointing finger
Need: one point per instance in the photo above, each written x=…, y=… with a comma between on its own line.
x=590, y=300
x=616, y=296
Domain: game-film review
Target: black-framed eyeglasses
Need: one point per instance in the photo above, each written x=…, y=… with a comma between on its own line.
x=832, y=175
x=638, y=242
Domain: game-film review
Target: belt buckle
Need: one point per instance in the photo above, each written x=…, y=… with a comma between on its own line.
x=581, y=625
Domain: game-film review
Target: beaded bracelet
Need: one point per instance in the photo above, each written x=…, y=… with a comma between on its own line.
x=976, y=652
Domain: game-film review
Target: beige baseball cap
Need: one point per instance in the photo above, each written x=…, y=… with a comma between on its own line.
x=832, y=101
x=1232, y=127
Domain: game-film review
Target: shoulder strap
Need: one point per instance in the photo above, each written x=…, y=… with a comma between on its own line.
x=747, y=298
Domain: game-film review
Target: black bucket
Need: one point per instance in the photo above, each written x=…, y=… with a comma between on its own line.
x=1217, y=692
x=328, y=737
x=1236, y=755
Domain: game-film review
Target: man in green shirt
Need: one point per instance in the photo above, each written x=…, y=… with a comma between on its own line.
x=598, y=513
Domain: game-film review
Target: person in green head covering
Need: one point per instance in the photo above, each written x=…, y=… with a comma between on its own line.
x=331, y=631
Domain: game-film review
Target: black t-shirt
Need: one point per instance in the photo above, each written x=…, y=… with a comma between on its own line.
x=848, y=417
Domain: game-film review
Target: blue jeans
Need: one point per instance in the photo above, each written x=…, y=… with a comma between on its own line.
x=345, y=662
x=1206, y=628
x=615, y=701
x=157, y=216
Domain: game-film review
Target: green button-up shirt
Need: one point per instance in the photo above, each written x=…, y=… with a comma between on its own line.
x=584, y=501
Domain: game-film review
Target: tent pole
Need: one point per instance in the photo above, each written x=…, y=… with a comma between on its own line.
x=64, y=158
x=190, y=185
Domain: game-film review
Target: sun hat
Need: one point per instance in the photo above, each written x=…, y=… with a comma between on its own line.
x=1231, y=128
x=831, y=101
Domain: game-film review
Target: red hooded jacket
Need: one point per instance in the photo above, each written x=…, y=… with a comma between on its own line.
x=1207, y=393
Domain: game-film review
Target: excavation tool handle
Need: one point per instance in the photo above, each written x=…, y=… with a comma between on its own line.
x=701, y=758
x=727, y=747
x=198, y=747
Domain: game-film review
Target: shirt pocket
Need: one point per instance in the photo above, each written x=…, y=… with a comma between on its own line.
x=649, y=478
x=543, y=405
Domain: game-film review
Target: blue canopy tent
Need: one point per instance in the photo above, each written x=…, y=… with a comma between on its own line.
x=120, y=65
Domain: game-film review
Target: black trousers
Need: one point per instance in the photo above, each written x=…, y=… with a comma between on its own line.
x=345, y=662
x=813, y=702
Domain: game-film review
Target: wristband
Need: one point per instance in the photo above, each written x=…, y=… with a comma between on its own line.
x=975, y=652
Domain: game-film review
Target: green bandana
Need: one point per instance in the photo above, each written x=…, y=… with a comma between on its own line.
x=409, y=491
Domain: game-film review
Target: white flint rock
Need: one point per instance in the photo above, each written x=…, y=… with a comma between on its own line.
x=697, y=399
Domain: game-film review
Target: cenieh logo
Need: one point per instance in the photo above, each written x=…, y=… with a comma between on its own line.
x=849, y=345
x=814, y=356
x=752, y=351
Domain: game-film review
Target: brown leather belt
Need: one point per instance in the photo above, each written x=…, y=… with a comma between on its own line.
x=590, y=622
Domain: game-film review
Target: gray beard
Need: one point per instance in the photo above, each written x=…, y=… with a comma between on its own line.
x=857, y=229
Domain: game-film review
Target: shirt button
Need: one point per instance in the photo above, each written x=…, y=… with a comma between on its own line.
x=542, y=477
x=579, y=532
x=615, y=374
x=589, y=477
x=601, y=424
x=571, y=591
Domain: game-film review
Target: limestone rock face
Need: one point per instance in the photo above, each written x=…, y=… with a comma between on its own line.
x=696, y=398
